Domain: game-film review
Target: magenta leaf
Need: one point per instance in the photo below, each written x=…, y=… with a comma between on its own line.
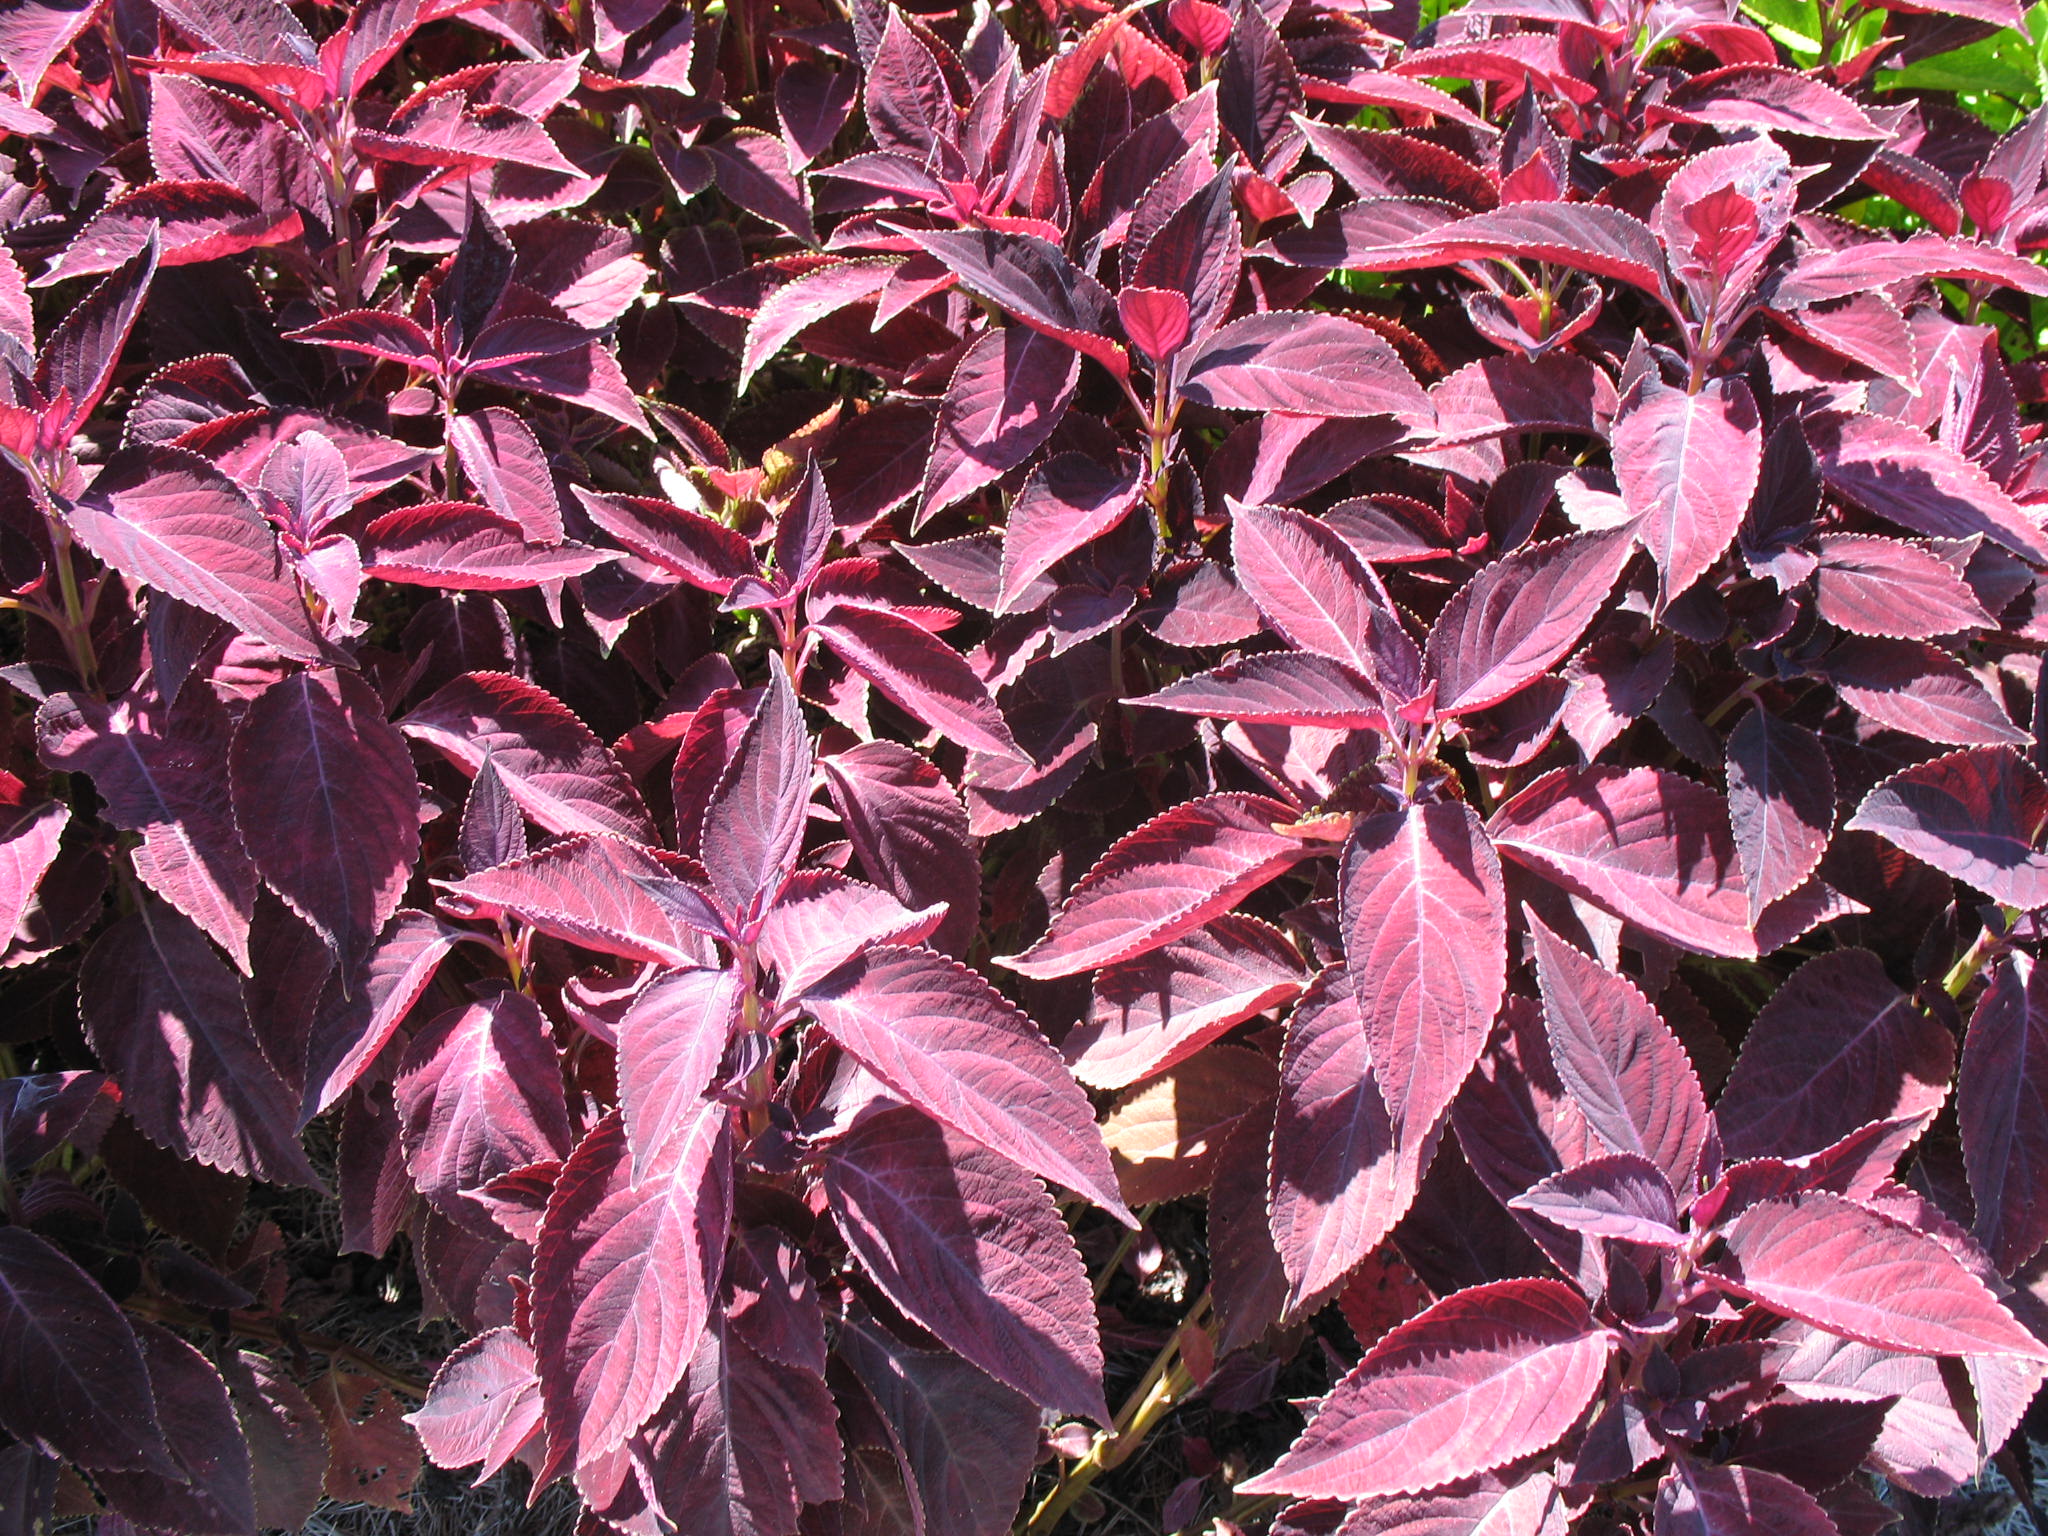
x=939, y=1035
x=971, y=1248
x=77, y=1382
x=822, y=919
x=671, y=1041
x=167, y=1019
x=1515, y=620
x=1173, y=874
x=1625, y=1198
x=1277, y=688
x=820, y=292
x=1649, y=846
x=1781, y=805
x=459, y=547
x=613, y=897
x=1305, y=364
x=1315, y=590
x=77, y=360
x=1029, y=277
x=28, y=848
x=484, y=1406
x=351, y=1028
x=1977, y=815
x=1919, y=689
x=1340, y=1178
x=1861, y=1275
x=1481, y=1379
x=686, y=544
x=920, y=673
x=1687, y=464
x=754, y=821
x=171, y=520
x=561, y=774
x=1627, y=1073
x=1891, y=469
x=479, y=1094
x=2002, y=1104
x=1426, y=942
x=1889, y=587
x=1162, y=1007
x=625, y=1276
x=509, y=470
x=328, y=805
x=1837, y=1047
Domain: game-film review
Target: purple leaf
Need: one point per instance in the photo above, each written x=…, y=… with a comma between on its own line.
x=1919, y=689
x=1624, y=1198
x=456, y=547
x=1031, y=279
x=509, y=470
x=686, y=544
x=624, y=1279
x=971, y=1248
x=613, y=897
x=1305, y=364
x=1173, y=874
x=166, y=1019
x=1626, y=1071
x=561, y=775
x=1339, y=1177
x=350, y=1029
x=1700, y=1500
x=27, y=850
x=169, y=519
x=76, y=1383
x=820, y=292
x=1837, y=1047
x=208, y=1487
x=920, y=673
x=1314, y=589
x=1687, y=464
x=1161, y=1008
x=480, y=1094
x=1516, y=619
x=1976, y=815
x=822, y=919
x=1873, y=586
x=328, y=805
x=1277, y=688
x=1781, y=805
x=754, y=821
x=1426, y=942
x=1069, y=503
x=1649, y=846
x=1009, y=391
x=939, y=1035
x=671, y=1041
x=2002, y=1104
x=1892, y=469
x=43, y=1109
x=909, y=829
x=78, y=358
x=1481, y=1379
x=1855, y=1273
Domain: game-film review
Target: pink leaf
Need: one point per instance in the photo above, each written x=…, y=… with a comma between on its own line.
x=1481, y=1379
x=1173, y=874
x=920, y=674
x=1855, y=1273
x=686, y=544
x=558, y=771
x=1837, y=1047
x=908, y=827
x=27, y=850
x=971, y=1248
x=1624, y=1198
x=1161, y=1008
x=457, y=547
x=1873, y=586
x=509, y=470
x=1649, y=846
x=1696, y=1499
x=1894, y=470
x=1339, y=1177
x=1008, y=392
x=822, y=919
x=1976, y=815
x=941, y=1036
x=1066, y=505
x=1687, y=464
x=1625, y=1069
x=671, y=1041
x=1426, y=942
x=1318, y=594
x=1302, y=363
x=484, y=1406
x=1156, y=320
x=171, y=520
x=351, y=1028
x=1516, y=619
x=2002, y=1103
x=1920, y=689
x=1277, y=688
x=624, y=1279
x=606, y=895
x=755, y=819
x=328, y=805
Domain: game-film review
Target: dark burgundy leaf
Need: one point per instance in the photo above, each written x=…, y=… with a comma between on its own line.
x=1781, y=805
x=2000, y=1104
x=1977, y=815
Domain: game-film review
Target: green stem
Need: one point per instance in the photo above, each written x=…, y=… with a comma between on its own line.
x=77, y=630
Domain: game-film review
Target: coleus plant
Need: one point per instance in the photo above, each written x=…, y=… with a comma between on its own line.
x=890, y=736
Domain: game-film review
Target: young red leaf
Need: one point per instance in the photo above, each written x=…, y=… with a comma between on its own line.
x=2002, y=1104
x=755, y=819
x=1977, y=815
x=624, y=1279
x=171, y=520
x=1173, y=874
x=1162, y=1007
x=1516, y=619
x=328, y=805
x=558, y=771
x=1625, y=1069
x=920, y=673
x=1425, y=926
x=971, y=1248
x=1156, y=320
x=1481, y=1379
x=671, y=1041
x=1781, y=805
x=484, y=1406
x=1687, y=463
x=166, y=1018
x=76, y=1385
x=1305, y=364
x=1649, y=846
x=1855, y=1273
x=479, y=1094
x=1837, y=1047
x=941, y=1036
x=1339, y=1177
